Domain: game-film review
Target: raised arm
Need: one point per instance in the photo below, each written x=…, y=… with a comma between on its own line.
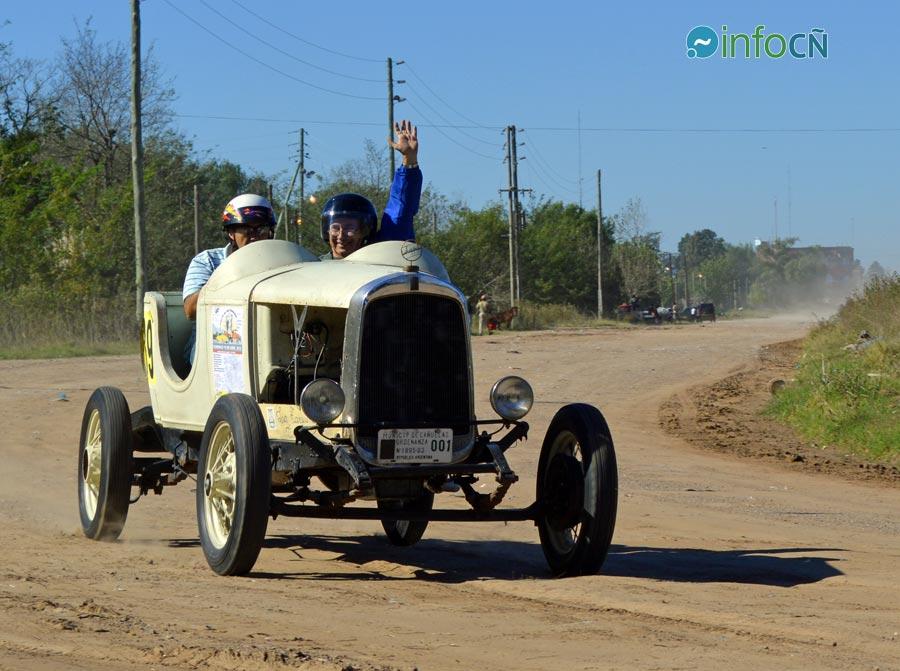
x=406, y=189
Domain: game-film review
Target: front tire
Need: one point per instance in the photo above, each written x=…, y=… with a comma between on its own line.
x=104, y=465
x=577, y=487
x=403, y=533
x=234, y=483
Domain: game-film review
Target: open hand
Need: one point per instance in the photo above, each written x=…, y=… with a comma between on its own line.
x=407, y=142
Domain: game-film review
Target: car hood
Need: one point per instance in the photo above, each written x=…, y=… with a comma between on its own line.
x=276, y=271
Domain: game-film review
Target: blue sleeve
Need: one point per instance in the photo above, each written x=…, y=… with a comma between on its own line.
x=198, y=274
x=403, y=203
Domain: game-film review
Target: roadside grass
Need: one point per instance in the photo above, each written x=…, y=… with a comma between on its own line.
x=748, y=313
x=540, y=317
x=850, y=398
x=69, y=349
x=38, y=324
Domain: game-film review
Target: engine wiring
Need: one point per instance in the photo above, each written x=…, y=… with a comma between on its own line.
x=309, y=344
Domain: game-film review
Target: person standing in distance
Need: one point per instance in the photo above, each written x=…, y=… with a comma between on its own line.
x=349, y=220
x=482, y=307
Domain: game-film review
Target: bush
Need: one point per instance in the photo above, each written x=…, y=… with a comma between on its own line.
x=850, y=397
x=39, y=318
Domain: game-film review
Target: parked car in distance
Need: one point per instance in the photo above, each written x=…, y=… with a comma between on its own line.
x=706, y=311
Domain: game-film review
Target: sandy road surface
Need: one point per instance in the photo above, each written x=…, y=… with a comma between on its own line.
x=716, y=562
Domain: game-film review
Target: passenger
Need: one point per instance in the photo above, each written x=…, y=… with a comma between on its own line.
x=349, y=220
x=246, y=218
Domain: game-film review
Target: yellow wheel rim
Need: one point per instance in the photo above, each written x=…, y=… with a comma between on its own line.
x=219, y=485
x=92, y=464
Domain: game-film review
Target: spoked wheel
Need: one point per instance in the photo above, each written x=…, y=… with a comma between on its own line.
x=104, y=464
x=406, y=532
x=234, y=483
x=577, y=487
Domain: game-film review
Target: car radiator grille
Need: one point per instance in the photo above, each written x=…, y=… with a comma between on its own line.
x=413, y=367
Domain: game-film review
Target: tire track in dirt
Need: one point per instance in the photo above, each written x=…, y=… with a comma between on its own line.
x=706, y=571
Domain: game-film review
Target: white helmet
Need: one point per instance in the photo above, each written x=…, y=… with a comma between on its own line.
x=246, y=208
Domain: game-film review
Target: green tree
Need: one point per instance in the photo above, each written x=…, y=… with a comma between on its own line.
x=700, y=246
x=474, y=250
x=636, y=254
x=558, y=256
x=641, y=271
x=694, y=250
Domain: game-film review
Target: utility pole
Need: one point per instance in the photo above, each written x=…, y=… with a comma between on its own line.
x=390, y=73
x=516, y=217
x=196, y=221
x=789, y=202
x=434, y=222
x=515, y=213
x=287, y=198
x=391, y=100
x=776, y=219
x=599, y=249
x=510, y=142
x=137, y=159
x=686, y=260
x=302, y=186
x=580, y=181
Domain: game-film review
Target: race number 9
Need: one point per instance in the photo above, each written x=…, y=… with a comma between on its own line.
x=147, y=338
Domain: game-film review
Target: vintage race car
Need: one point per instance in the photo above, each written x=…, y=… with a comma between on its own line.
x=320, y=383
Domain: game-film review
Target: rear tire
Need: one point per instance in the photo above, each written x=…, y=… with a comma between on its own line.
x=404, y=533
x=234, y=484
x=104, y=465
x=577, y=488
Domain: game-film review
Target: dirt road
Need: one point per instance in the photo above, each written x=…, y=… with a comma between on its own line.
x=717, y=562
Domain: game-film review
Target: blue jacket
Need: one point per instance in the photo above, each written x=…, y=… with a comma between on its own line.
x=402, y=205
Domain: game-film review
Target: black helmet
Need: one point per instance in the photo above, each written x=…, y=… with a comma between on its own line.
x=351, y=206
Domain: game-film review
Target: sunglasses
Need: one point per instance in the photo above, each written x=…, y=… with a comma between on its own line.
x=253, y=230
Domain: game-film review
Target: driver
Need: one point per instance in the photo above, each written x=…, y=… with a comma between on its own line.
x=349, y=220
x=246, y=218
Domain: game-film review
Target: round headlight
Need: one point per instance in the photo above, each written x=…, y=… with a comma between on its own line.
x=511, y=397
x=322, y=400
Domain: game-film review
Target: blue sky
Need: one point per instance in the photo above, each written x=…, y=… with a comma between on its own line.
x=621, y=66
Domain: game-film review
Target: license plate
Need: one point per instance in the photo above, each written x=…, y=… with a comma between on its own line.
x=415, y=446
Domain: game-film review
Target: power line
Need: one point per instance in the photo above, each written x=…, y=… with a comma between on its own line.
x=431, y=90
x=545, y=163
x=549, y=174
x=715, y=130
x=220, y=117
x=263, y=63
x=449, y=137
x=553, y=128
x=300, y=39
x=538, y=170
x=468, y=135
x=326, y=122
x=282, y=51
x=534, y=173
